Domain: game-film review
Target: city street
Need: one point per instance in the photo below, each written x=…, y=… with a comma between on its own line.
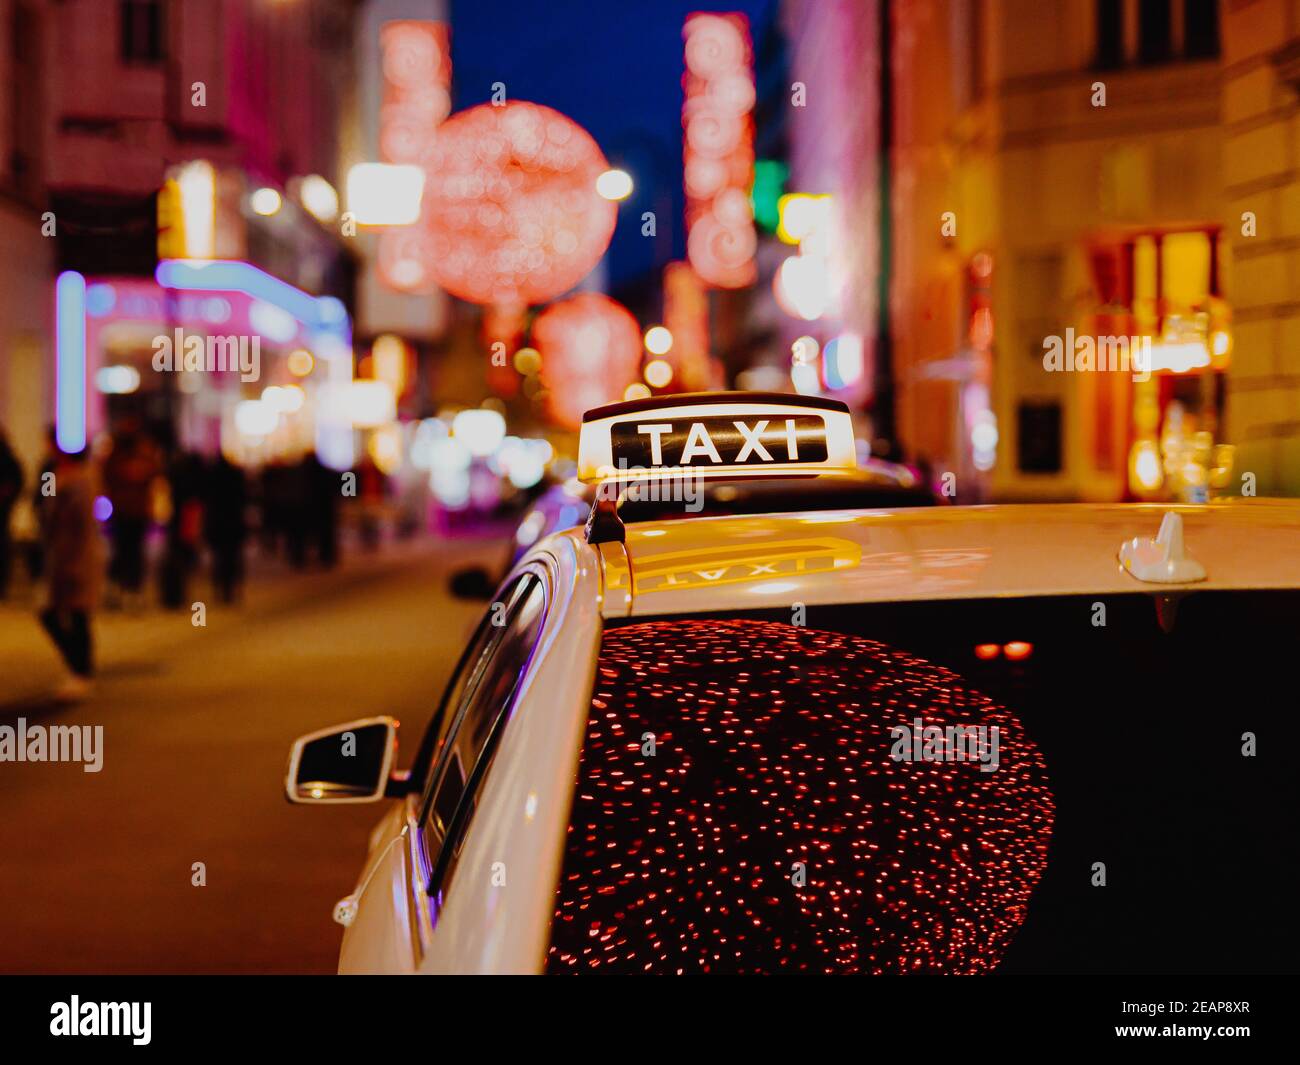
x=828, y=471
x=97, y=867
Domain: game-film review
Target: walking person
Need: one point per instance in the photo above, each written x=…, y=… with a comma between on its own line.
x=41, y=493
x=226, y=525
x=11, y=487
x=129, y=472
x=74, y=565
x=185, y=476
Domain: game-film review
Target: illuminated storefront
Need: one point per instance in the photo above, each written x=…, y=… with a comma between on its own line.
x=1160, y=424
x=228, y=356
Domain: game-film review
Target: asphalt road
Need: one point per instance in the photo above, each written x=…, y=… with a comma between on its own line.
x=96, y=869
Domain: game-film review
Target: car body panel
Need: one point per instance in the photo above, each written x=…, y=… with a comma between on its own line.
x=498, y=909
x=945, y=553
x=378, y=940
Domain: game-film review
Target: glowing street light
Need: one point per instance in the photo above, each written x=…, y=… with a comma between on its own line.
x=319, y=197
x=614, y=184
x=802, y=214
x=384, y=194
x=658, y=373
x=658, y=340
x=266, y=201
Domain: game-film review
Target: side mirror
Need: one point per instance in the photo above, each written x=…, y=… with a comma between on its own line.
x=346, y=763
x=472, y=582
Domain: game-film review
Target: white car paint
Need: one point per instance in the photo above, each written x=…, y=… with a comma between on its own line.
x=497, y=914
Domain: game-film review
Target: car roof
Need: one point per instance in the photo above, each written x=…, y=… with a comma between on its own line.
x=692, y=565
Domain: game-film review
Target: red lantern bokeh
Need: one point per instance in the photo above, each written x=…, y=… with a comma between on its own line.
x=416, y=98
x=510, y=204
x=718, y=149
x=591, y=351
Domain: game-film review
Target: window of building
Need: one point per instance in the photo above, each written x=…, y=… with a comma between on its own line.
x=1200, y=29
x=24, y=129
x=1110, y=34
x=1166, y=30
x=141, y=31
x=1155, y=31
x=1038, y=437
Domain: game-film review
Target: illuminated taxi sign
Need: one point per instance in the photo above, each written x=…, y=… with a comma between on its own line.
x=723, y=433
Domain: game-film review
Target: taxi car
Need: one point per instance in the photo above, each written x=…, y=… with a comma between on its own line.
x=936, y=740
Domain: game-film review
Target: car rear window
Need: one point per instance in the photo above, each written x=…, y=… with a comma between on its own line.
x=756, y=795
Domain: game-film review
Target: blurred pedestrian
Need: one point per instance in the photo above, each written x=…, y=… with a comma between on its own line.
x=11, y=487
x=74, y=562
x=372, y=490
x=40, y=495
x=323, y=489
x=293, y=505
x=129, y=473
x=225, y=525
x=184, y=526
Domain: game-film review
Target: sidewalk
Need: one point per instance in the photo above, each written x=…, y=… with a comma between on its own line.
x=132, y=643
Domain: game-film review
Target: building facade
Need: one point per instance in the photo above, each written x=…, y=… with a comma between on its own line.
x=1076, y=190
x=1059, y=191
x=142, y=131
x=27, y=237
x=1261, y=174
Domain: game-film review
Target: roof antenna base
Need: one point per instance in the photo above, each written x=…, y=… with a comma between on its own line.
x=1163, y=560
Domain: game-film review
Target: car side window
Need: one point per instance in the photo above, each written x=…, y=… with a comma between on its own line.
x=468, y=668
x=473, y=728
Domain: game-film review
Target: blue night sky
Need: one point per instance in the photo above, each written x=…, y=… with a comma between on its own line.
x=616, y=69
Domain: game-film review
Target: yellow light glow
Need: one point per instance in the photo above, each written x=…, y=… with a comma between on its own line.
x=385, y=447
x=801, y=214
x=1145, y=475
x=803, y=287
x=384, y=194
x=658, y=340
x=479, y=430
x=255, y=418
x=369, y=403
x=197, y=182
x=389, y=355
x=319, y=197
x=1221, y=343
x=284, y=399
x=528, y=361
x=804, y=351
x=614, y=185
x=301, y=362
x=266, y=201
x=658, y=373
x=1179, y=356
x=636, y=390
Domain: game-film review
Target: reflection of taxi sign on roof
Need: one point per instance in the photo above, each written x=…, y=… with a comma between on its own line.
x=735, y=434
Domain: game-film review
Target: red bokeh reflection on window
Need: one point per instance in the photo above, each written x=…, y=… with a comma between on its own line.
x=722, y=756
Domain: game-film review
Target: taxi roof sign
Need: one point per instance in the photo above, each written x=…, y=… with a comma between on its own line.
x=732, y=434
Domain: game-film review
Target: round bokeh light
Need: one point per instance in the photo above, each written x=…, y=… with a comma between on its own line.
x=510, y=204
x=590, y=349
